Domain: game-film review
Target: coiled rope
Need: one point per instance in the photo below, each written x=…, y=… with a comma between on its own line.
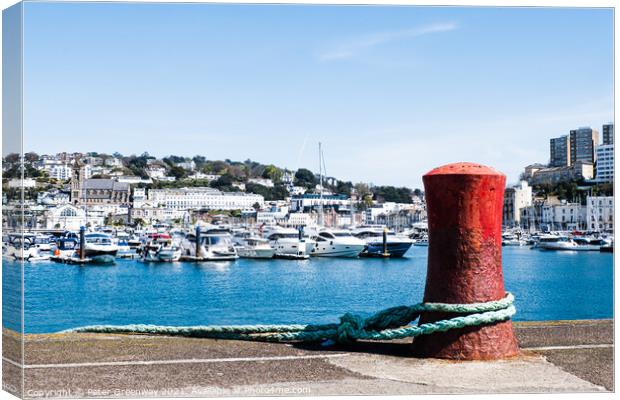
x=391, y=323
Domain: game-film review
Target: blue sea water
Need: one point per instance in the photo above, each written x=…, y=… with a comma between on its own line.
x=547, y=285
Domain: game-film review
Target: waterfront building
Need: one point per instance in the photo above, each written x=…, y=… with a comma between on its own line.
x=270, y=217
x=71, y=217
x=583, y=141
x=605, y=163
x=203, y=197
x=312, y=202
x=559, y=151
x=600, y=213
x=299, y=219
x=371, y=214
x=151, y=214
x=564, y=216
x=516, y=198
x=578, y=170
x=608, y=133
x=397, y=220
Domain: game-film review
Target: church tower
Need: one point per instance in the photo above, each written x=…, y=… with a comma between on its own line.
x=77, y=181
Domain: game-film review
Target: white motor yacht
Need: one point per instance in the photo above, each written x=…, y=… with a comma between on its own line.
x=99, y=247
x=553, y=242
x=288, y=242
x=214, y=244
x=336, y=243
x=254, y=247
x=160, y=248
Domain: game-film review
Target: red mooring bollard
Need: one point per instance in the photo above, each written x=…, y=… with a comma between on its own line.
x=464, y=204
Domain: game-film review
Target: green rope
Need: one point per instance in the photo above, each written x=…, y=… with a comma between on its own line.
x=391, y=323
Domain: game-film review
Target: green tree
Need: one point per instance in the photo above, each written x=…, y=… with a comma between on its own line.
x=272, y=172
x=178, y=172
x=305, y=178
x=224, y=183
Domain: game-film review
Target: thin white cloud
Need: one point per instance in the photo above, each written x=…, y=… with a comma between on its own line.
x=351, y=48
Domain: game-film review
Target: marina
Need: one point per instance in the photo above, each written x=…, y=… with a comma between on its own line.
x=551, y=285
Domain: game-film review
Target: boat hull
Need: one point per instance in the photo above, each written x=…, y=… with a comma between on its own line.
x=255, y=253
x=169, y=255
x=348, y=251
x=394, y=250
x=99, y=254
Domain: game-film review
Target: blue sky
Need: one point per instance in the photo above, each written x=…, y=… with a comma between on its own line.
x=391, y=92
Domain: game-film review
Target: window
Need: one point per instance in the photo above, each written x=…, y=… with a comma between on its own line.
x=68, y=212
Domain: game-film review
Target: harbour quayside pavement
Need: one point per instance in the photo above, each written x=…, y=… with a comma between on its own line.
x=464, y=273
x=565, y=356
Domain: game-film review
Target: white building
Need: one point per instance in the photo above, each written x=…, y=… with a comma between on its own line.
x=600, y=213
x=202, y=197
x=605, y=163
x=307, y=202
x=261, y=181
x=153, y=214
x=516, y=198
x=132, y=179
x=389, y=207
x=25, y=183
x=301, y=219
x=188, y=165
x=113, y=162
x=71, y=217
x=156, y=171
x=59, y=171
x=202, y=175
x=564, y=216
x=270, y=217
x=139, y=197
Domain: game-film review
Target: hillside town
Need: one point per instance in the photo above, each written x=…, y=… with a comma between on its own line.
x=64, y=191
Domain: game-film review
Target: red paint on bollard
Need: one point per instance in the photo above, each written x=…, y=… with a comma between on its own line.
x=464, y=204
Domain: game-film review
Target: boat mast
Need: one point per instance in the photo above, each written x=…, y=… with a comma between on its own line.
x=321, y=217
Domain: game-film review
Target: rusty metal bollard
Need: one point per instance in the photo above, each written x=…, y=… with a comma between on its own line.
x=464, y=205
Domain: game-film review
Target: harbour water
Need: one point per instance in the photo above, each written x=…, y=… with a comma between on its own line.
x=547, y=285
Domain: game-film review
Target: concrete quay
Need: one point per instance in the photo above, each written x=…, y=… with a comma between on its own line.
x=556, y=357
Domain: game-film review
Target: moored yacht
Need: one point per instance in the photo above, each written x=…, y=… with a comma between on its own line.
x=98, y=246
x=373, y=235
x=288, y=242
x=554, y=242
x=336, y=243
x=212, y=244
x=254, y=247
x=160, y=247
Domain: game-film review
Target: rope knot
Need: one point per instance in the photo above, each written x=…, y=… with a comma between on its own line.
x=351, y=328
